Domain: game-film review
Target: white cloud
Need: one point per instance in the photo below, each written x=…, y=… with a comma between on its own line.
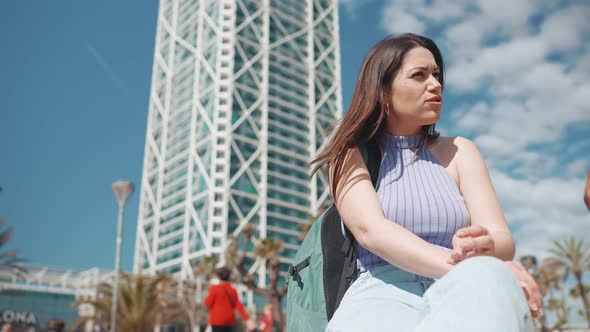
x=564, y=29
x=543, y=211
x=581, y=68
x=436, y=10
x=476, y=119
x=351, y=6
x=396, y=19
x=498, y=62
x=578, y=167
x=534, y=99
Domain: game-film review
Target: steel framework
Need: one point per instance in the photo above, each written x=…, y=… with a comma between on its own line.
x=55, y=280
x=243, y=96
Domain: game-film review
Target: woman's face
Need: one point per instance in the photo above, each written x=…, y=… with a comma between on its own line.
x=416, y=92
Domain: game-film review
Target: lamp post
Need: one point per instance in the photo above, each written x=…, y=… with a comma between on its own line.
x=122, y=190
x=529, y=262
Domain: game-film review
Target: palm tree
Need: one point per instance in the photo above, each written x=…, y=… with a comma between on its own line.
x=9, y=260
x=205, y=267
x=550, y=279
x=188, y=299
x=561, y=311
x=266, y=249
x=144, y=303
x=572, y=257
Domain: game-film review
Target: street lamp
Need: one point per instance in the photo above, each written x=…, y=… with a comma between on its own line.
x=122, y=190
x=529, y=263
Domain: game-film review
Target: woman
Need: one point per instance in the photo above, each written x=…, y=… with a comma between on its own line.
x=221, y=300
x=433, y=215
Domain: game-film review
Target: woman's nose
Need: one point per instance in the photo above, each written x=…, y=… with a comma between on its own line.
x=433, y=83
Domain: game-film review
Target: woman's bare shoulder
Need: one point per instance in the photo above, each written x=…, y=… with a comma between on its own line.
x=456, y=151
x=453, y=146
x=452, y=141
x=452, y=152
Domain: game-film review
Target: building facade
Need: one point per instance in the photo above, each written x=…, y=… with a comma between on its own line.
x=244, y=94
x=32, y=301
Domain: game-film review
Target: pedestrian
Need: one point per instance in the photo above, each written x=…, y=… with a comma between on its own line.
x=433, y=248
x=267, y=322
x=222, y=299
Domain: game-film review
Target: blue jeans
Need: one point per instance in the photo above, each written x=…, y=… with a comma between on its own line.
x=479, y=294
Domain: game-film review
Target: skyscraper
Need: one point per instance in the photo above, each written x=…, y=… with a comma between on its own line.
x=243, y=95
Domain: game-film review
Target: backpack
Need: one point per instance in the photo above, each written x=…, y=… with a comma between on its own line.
x=325, y=264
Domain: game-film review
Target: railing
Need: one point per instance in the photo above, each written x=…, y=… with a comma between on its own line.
x=55, y=280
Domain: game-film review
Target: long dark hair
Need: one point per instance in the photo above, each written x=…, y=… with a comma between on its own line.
x=365, y=120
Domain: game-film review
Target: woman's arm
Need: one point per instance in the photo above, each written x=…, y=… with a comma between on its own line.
x=362, y=213
x=240, y=307
x=481, y=201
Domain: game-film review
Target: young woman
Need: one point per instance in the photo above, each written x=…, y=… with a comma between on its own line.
x=434, y=250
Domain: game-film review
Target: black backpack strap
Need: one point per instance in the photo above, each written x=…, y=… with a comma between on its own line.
x=372, y=157
x=373, y=161
x=295, y=269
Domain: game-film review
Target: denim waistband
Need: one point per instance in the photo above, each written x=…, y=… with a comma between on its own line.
x=395, y=274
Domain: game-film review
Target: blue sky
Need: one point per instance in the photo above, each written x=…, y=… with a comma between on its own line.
x=75, y=81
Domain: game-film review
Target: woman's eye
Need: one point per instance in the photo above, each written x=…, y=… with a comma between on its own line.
x=436, y=75
x=418, y=74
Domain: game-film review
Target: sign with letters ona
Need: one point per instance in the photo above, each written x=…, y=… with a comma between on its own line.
x=17, y=317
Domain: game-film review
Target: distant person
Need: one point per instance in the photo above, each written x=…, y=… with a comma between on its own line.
x=222, y=299
x=266, y=324
x=587, y=191
x=55, y=325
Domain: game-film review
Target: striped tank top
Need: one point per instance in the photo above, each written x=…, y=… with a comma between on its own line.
x=417, y=193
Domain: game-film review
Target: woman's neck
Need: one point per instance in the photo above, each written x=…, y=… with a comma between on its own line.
x=403, y=131
x=398, y=127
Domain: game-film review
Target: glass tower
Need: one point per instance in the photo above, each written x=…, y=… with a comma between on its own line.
x=243, y=95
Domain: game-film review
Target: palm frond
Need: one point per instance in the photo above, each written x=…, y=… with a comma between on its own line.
x=5, y=236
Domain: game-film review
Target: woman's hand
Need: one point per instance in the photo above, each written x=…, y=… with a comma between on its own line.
x=471, y=241
x=529, y=286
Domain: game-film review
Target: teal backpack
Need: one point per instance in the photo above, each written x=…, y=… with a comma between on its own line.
x=325, y=265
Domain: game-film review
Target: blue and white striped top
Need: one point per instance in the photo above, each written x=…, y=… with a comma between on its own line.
x=417, y=193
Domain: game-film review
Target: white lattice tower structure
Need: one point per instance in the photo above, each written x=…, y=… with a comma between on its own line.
x=243, y=95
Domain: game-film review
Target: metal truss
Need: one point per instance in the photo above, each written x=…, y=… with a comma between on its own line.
x=55, y=280
x=244, y=94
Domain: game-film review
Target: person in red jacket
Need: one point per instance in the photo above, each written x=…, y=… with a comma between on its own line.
x=222, y=299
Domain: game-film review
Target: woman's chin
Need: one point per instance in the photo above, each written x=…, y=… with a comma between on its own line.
x=431, y=118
